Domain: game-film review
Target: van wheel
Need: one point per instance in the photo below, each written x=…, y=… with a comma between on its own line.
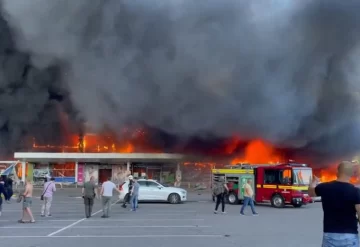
x=232, y=198
x=174, y=198
x=277, y=201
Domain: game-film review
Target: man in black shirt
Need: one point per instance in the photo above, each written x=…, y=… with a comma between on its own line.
x=341, y=205
x=127, y=196
x=8, y=189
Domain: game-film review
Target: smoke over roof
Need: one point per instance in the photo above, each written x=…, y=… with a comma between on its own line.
x=284, y=71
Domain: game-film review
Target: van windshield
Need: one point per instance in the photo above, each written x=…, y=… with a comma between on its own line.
x=302, y=176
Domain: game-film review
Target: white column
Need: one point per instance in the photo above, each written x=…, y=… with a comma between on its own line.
x=76, y=172
x=128, y=166
x=178, y=176
x=23, y=171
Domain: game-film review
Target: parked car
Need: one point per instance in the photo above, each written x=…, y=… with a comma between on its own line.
x=151, y=190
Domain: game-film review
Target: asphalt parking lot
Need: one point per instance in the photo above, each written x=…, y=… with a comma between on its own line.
x=158, y=224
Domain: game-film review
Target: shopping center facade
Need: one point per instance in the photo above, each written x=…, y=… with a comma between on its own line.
x=79, y=167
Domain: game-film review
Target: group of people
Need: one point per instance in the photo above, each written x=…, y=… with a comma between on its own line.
x=106, y=193
x=89, y=194
x=220, y=190
x=46, y=197
x=6, y=190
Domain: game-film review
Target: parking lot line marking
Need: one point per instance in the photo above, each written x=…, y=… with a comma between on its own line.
x=113, y=220
x=144, y=219
x=120, y=236
x=77, y=222
x=40, y=220
x=104, y=227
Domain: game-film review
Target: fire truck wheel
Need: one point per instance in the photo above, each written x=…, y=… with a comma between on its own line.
x=232, y=198
x=277, y=201
x=174, y=198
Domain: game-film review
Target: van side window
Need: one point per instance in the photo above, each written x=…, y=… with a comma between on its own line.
x=271, y=176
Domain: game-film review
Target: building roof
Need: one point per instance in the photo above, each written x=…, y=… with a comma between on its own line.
x=97, y=157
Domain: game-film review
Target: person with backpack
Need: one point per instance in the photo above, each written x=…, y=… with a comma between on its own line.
x=8, y=189
x=127, y=198
x=47, y=197
x=2, y=192
x=219, y=191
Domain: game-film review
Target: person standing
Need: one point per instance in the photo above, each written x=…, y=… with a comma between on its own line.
x=8, y=189
x=48, y=192
x=27, y=202
x=341, y=205
x=127, y=198
x=88, y=192
x=248, y=198
x=2, y=193
x=219, y=191
x=106, y=194
x=134, y=195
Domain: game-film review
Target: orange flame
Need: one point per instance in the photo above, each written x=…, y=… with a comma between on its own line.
x=258, y=152
x=330, y=173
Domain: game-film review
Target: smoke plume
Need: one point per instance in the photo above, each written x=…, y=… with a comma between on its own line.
x=284, y=71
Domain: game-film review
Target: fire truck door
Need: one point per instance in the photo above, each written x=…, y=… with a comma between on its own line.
x=243, y=181
x=269, y=183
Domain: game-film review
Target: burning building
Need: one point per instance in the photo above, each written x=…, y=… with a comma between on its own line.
x=219, y=80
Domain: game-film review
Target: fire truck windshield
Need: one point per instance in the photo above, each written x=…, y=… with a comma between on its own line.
x=302, y=176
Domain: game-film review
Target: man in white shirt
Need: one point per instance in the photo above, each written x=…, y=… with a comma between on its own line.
x=248, y=198
x=106, y=193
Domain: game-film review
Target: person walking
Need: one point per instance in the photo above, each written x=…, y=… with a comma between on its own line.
x=134, y=195
x=47, y=197
x=2, y=193
x=248, y=198
x=27, y=202
x=106, y=193
x=341, y=205
x=219, y=191
x=88, y=192
x=8, y=189
x=127, y=198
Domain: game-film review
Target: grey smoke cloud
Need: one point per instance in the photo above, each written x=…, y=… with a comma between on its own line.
x=285, y=71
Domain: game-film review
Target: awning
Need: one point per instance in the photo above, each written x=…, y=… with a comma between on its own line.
x=9, y=170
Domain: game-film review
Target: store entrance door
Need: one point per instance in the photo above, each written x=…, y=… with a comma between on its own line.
x=154, y=173
x=104, y=174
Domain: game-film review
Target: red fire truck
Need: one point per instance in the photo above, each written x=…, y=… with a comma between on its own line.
x=278, y=184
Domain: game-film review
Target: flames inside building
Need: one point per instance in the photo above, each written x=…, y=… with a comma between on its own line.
x=236, y=82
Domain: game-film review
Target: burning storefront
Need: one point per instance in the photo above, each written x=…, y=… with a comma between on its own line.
x=79, y=167
x=193, y=169
x=196, y=78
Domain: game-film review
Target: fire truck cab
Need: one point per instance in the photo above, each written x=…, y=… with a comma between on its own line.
x=278, y=184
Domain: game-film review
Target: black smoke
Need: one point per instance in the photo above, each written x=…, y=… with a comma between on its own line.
x=284, y=71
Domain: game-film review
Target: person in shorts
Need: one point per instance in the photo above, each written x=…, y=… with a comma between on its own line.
x=27, y=202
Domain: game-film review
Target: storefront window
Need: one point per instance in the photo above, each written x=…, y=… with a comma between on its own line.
x=63, y=172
